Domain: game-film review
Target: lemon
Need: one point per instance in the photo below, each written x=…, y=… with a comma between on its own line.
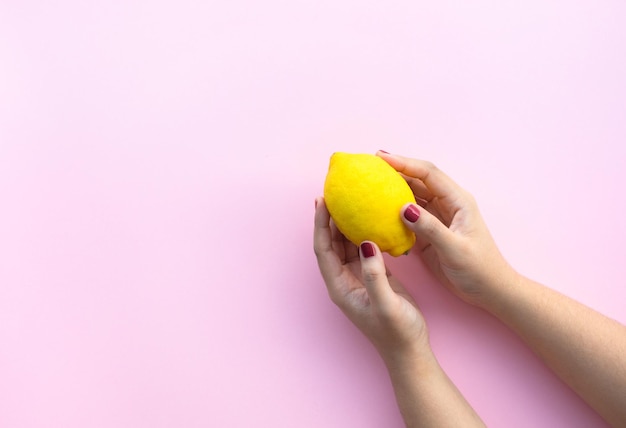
x=364, y=195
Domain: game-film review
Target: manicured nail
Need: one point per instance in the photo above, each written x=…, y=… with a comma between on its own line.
x=315, y=202
x=411, y=213
x=367, y=249
x=382, y=151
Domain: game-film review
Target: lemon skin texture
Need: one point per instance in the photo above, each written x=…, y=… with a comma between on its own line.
x=364, y=195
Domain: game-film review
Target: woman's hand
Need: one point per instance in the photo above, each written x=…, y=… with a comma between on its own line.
x=451, y=234
x=380, y=307
x=583, y=347
x=359, y=284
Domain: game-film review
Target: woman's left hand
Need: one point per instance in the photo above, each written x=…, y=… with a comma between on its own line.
x=360, y=285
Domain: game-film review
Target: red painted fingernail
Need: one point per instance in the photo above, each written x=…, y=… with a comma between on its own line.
x=411, y=213
x=367, y=249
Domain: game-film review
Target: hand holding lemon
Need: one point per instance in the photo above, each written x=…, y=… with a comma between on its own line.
x=364, y=196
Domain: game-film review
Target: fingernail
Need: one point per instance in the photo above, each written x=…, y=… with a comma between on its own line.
x=315, y=202
x=411, y=213
x=367, y=249
x=384, y=152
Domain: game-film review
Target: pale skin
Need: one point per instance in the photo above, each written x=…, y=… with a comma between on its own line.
x=586, y=349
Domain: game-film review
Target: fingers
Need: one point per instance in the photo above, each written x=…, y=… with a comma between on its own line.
x=327, y=259
x=374, y=276
x=333, y=251
x=435, y=182
x=428, y=229
x=345, y=249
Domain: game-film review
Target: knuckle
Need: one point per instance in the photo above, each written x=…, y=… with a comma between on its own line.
x=470, y=199
x=319, y=249
x=429, y=228
x=316, y=250
x=371, y=275
x=430, y=166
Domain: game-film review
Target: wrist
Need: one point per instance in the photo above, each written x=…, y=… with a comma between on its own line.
x=417, y=357
x=497, y=289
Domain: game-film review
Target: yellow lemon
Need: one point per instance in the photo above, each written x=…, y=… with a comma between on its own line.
x=364, y=195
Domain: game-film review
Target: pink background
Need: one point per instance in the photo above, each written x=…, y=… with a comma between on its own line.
x=158, y=166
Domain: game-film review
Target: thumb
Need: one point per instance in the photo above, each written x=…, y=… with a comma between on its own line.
x=374, y=275
x=427, y=228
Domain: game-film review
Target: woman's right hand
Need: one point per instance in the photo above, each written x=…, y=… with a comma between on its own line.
x=452, y=236
x=583, y=347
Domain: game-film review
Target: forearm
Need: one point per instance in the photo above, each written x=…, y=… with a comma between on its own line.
x=583, y=347
x=427, y=397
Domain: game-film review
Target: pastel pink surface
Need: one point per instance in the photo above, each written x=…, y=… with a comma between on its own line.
x=158, y=166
